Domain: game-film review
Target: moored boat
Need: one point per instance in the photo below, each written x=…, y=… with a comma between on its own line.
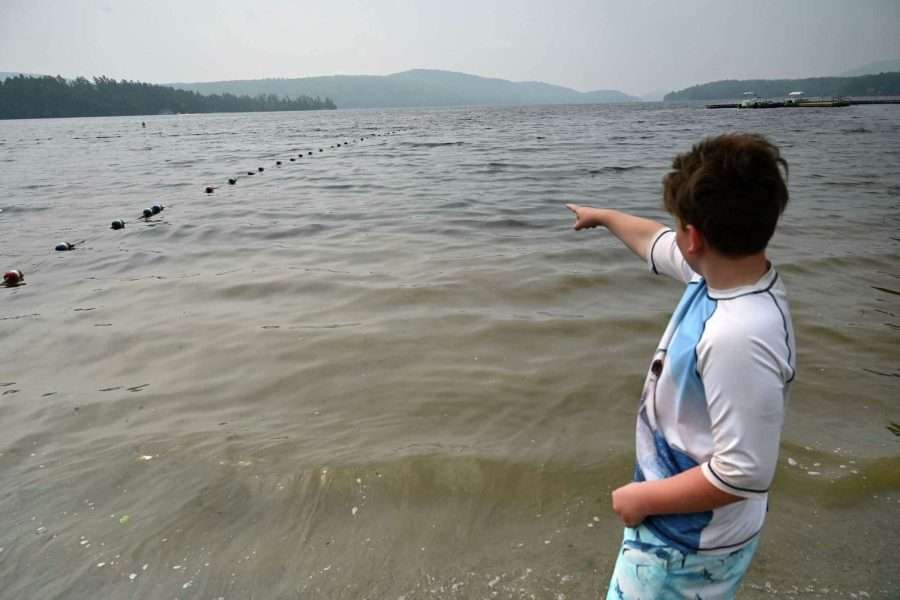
x=793, y=100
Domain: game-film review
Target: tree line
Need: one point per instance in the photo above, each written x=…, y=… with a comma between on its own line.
x=25, y=97
x=882, y=84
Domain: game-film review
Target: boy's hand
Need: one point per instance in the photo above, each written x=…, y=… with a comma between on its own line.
x=585, y=216
x=627, y=503
x=687, y=492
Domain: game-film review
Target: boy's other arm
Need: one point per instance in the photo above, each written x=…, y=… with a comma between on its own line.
x=687, y=492
x=635, y=232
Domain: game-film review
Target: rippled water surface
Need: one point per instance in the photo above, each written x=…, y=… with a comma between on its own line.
x=390, y=369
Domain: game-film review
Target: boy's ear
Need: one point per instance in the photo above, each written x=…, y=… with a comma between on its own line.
x=695, y=240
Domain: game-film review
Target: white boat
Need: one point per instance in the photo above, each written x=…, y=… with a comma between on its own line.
x=751, y=100
x=794, y=98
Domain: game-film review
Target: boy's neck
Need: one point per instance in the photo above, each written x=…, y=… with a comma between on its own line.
x=725, y=273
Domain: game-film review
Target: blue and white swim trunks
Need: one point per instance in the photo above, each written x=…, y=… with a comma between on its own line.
x=649, y=569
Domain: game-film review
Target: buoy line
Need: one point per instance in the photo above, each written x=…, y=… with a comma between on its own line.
x=233, y=180
x=16, y=277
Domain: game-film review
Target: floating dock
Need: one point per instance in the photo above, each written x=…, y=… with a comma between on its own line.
x=837, y=102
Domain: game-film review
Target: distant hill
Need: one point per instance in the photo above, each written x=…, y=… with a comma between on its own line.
x=882, y=66
x=883, y=84
x=419, y=87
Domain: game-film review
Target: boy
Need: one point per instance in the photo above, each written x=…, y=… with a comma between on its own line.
x=712, y=407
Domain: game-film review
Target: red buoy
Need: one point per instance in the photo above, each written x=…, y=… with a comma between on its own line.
x=14, y=277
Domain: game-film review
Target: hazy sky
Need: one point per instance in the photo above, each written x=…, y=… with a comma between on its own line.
x=631, y=45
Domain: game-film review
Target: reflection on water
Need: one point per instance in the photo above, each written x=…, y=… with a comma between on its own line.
x=390, y=369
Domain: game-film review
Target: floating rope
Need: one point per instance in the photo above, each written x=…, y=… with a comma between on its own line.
x=16, y=277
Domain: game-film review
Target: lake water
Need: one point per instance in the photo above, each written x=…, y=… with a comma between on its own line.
x=391, y=369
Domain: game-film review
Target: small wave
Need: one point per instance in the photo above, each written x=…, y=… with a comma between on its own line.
x=327, y=326
x=857, y=130
x=855, y=183
x=433, y=144
x=837, y=264
x=455, y=204
x=15, y=318
x=503, y=223
x=881, y=373
x=557, y=315
x=181, y=184
x=294, y=232
x=494, y=167
x=613, y=169
x=885, y=290
x=25, y=209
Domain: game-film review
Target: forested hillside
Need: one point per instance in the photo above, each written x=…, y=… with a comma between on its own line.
x=883, y=84
x=24, y=97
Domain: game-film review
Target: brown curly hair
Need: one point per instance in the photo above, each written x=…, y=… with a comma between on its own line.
x=730, y=188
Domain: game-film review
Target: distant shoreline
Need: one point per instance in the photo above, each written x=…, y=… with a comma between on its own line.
x=862, y=86
x=26, y=97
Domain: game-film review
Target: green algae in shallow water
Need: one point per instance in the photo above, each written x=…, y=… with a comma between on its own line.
x=834, y=486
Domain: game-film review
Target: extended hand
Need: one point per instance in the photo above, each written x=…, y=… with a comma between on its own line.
x=585, y=216
x=626, y=501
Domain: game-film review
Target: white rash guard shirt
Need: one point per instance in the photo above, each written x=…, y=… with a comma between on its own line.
x=714, y=396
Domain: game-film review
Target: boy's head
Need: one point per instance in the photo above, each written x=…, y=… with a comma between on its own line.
x=731, y=189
